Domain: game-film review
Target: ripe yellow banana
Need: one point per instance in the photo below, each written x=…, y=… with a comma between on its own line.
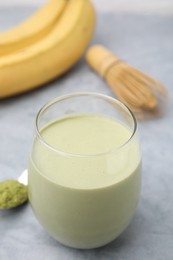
x=33, y=29
x=52, y=55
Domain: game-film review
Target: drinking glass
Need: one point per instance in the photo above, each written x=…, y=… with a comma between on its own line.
x=84, y=215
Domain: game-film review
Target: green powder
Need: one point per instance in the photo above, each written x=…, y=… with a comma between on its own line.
x=12, y=194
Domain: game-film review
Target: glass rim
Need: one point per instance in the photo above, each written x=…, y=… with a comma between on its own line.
x=79, y=94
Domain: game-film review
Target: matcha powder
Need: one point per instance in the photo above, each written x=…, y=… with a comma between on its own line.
x=12, y=194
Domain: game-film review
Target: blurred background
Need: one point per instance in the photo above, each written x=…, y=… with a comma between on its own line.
x=161, y=6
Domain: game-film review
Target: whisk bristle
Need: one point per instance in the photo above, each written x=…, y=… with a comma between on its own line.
x=131, y=87
x=141, y=93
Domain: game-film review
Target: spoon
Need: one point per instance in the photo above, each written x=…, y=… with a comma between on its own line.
x=24, y=177
x=13, y=193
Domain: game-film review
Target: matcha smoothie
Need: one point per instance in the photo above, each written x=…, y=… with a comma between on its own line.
x=84, y=179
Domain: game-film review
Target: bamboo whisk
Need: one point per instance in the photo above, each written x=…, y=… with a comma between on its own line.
x=144, y=95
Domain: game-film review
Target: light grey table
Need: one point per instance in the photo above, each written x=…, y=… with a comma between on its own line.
x=145, y=40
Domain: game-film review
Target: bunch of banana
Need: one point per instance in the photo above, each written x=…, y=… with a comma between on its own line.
x=44, y=46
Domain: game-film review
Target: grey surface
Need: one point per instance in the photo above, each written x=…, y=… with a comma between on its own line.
x=146, y=41
x=149, y=6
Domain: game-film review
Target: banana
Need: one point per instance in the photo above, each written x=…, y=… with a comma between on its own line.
x=33, y=29
x=52, y=55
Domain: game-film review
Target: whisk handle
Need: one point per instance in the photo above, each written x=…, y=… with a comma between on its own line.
x=101, y=59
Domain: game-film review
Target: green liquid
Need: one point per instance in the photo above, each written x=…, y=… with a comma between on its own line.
x=85, y=201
